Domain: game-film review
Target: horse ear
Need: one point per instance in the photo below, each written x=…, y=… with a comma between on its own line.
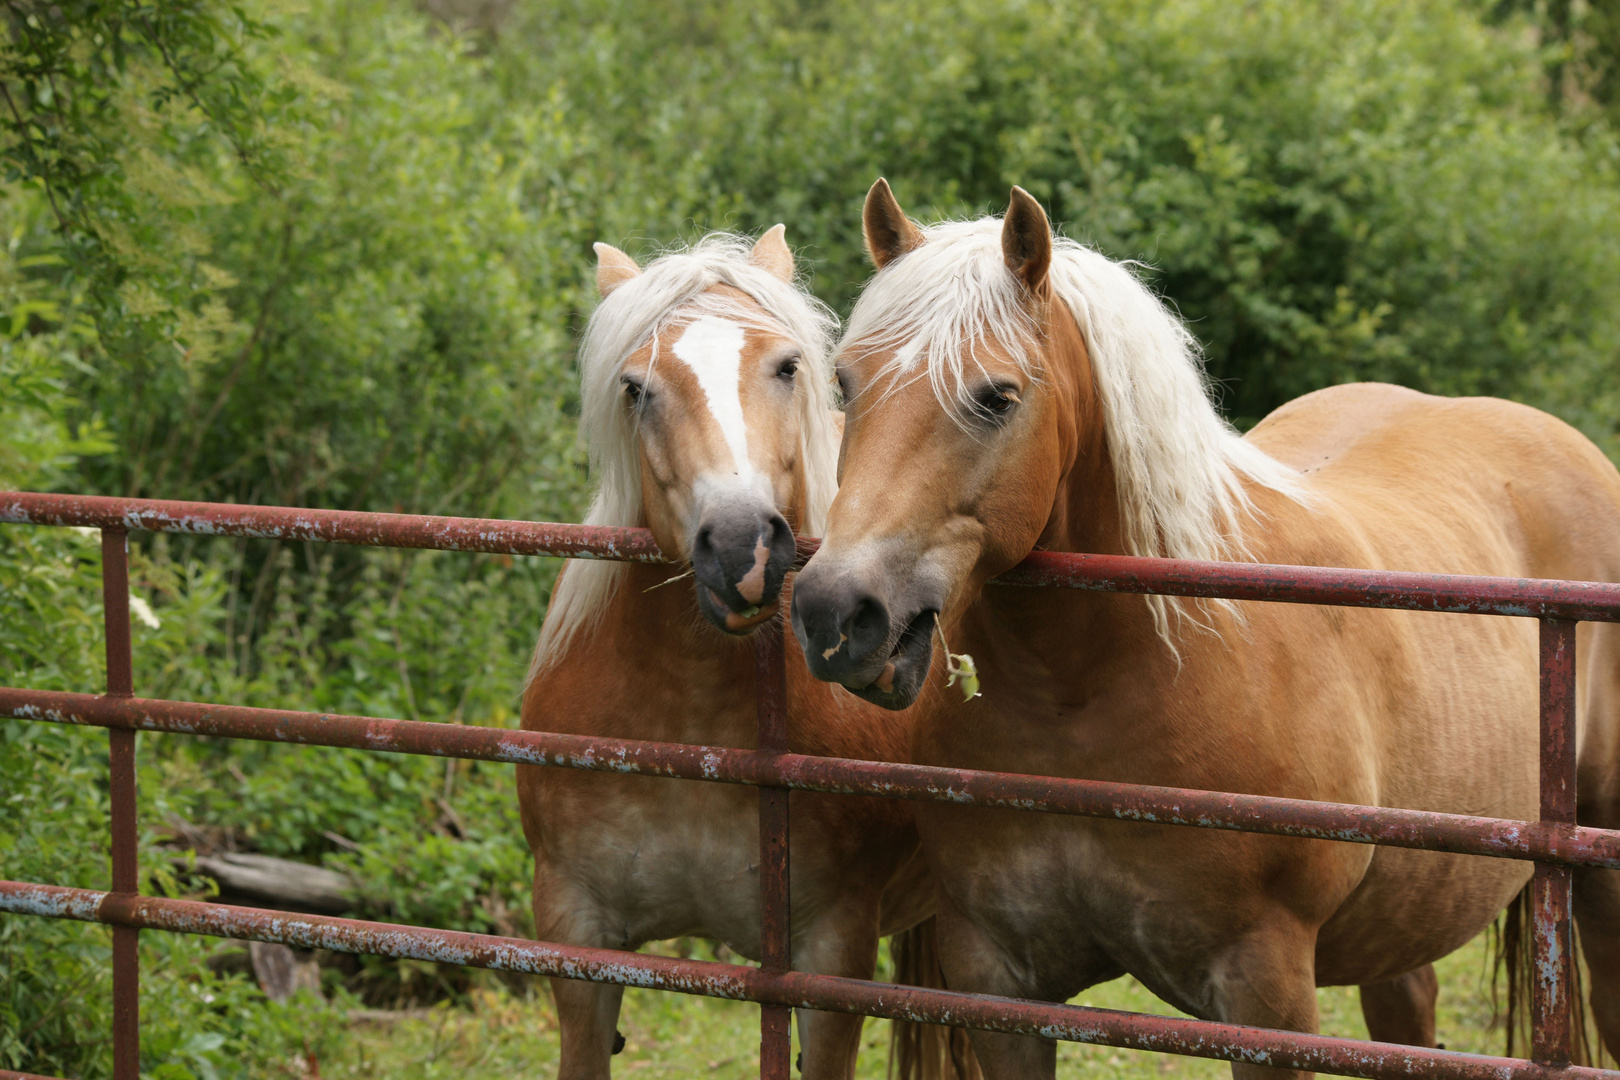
x=613, y=268
x=771, y=253
x=1026, y=240
x=889, y=233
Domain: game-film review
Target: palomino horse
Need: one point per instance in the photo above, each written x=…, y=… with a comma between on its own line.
x=1009, y=391
x=707, y=398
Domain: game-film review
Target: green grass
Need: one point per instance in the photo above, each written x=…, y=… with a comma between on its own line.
x=503, y=1034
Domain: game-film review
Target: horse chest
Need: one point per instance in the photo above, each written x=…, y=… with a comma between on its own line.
x=1073, y=902
x=1070, y=901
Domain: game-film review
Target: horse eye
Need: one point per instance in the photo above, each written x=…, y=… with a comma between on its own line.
x=634, y=391
x=995, y=402
x=789, y=368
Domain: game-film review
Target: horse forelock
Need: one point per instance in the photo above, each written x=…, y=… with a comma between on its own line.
x=938, y=308
x=716, y=277
x=1179, y=468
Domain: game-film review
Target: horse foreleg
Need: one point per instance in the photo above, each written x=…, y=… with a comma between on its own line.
x=974, y=963
x=1401, y=1010
x=587, y=1013
x=844, y=946
x=587, y=1020
x=1268, y=980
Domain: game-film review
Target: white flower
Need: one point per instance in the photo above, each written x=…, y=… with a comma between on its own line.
x=85, y=530
x=143, y=611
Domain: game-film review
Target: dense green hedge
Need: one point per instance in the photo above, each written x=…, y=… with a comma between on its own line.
x=1328, y=192
x=337, y=257
x=55, y=990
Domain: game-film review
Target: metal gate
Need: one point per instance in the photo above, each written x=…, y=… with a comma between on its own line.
x=1555, y=842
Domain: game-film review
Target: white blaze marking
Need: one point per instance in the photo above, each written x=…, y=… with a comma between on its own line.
x=712, y=348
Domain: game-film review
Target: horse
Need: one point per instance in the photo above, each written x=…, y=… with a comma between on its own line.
x=1007, y=391
x=707, y=413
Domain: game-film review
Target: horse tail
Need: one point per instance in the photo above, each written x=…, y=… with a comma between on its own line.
x=926, y=1051
x=1513, y=967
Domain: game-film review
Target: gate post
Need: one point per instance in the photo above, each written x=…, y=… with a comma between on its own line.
x=770, y=674
x=121, y=799
x=1553, y=966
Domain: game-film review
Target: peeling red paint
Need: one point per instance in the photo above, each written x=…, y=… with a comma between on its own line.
x=1535, y=598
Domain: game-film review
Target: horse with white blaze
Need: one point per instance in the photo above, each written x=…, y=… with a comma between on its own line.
x=707, y=411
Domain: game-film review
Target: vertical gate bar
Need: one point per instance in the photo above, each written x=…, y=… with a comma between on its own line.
x=1553, y=967
x=770, y=674
x=121, y=799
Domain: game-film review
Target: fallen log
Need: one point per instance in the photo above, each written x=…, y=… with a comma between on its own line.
x=280, y=883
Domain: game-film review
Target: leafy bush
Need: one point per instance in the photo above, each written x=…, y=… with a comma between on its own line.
x=1327, y=193
x=55, y=976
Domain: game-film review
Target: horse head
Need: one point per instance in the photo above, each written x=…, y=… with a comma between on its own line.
x=950, y=460
x=706, y=410
x=1007, y=389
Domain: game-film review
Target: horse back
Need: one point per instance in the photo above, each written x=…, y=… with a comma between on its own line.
x=1452, y=485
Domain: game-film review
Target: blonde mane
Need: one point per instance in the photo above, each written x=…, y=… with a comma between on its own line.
x=674, y=287
x=1179, y=467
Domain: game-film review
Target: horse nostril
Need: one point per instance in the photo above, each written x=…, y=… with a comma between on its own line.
x=867, y=627
x=740, y=554
x=781, y=532
x=839, y=627
x=779, y=542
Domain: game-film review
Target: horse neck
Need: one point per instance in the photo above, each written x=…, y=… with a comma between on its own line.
x=652, y=634
x=658, y=638
x=1041, y=625
x=1085, y=513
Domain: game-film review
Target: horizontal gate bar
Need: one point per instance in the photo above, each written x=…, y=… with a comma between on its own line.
x=791, y=989
x=1529, y=597
x=488, y=535
x=1590, y=601
x=7, y=1074
x=1457, y=833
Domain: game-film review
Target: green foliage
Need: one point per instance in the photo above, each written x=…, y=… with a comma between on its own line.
x=55, y=975
x=404, y=317
x=119, y=113
x=1328, y=193
x=1580, y=50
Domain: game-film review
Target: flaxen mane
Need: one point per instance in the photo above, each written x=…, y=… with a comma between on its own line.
x=673, y=288
x=1179, y=467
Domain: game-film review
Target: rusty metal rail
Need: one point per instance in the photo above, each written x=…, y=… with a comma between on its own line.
x=1555, y=842
x=1462, y=834
x=781, y=989
x=1589, y=601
